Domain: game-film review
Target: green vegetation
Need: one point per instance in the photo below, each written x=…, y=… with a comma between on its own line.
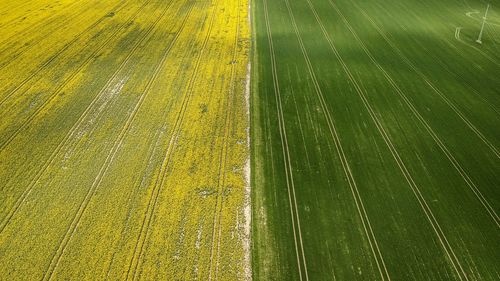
x=375, y=134
x=126, y=129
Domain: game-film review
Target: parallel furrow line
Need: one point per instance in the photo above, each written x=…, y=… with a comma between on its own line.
x=43, y=22
x=105, y=167
x=223, y=155
x=432, y=133
x=461, y=77
x=30, y=119
x=430, y=84
x=374, y=247
x=13, y=50
x=286, y=154
x=12, y=10
x=124, y=233
x=484, y=54
x=44, y=65
x=22, y=198
x=414, y=187
x=132, y=271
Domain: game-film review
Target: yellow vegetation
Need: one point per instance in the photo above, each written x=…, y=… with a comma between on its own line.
x=124, y=140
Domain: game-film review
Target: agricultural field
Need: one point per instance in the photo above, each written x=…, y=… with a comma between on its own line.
x=124, y=140
x=249, y=140
x=375, y=140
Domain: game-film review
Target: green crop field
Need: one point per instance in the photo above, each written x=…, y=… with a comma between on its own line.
x=376, y=134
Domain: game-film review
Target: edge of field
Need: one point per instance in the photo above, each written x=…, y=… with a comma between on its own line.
x=256, y=158
x=253, y=77
x=248, y=166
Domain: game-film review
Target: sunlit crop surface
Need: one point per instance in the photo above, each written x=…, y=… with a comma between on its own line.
x=124, y=140
x=375, y=140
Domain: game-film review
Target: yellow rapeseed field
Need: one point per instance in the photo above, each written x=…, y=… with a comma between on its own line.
x=124, y=140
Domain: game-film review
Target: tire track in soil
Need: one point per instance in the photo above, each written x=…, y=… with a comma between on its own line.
x=67, y=137
x=109, y=159
x=71, y=77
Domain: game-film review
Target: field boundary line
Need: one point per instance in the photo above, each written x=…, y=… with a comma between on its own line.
x=456, y=164
x=370, y=235
x=109, y=159
x=59, y=88
x=224, y=153
x=54, y=56
x=162, y=174
x=404, y=170
x=285, y=151
x=66, y=138
x=428, y=82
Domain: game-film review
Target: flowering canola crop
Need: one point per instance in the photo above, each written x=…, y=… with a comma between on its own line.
x=124, y=140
